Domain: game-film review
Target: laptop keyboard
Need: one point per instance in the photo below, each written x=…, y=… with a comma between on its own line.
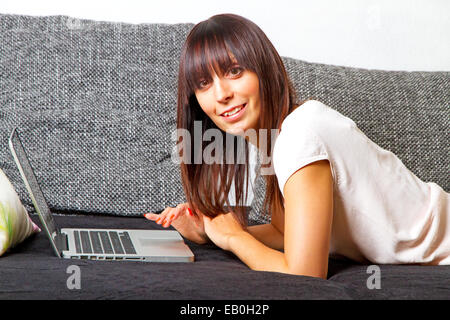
x=103, y=242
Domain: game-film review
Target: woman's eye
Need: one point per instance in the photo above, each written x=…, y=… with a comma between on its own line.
x=235, y=71
x=203, y=83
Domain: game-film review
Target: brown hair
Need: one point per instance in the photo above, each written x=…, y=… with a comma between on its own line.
x=209, y=47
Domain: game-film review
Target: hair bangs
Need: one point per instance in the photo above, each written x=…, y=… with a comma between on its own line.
x=208, y=53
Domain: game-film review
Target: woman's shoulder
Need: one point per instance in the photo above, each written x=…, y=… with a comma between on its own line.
x=315, y=126
x=301, y=127
x=309, y=106
x=298, y=142
x=308, y=114
x=317, y=116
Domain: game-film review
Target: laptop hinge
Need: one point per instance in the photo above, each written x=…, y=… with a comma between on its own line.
x=61, y=241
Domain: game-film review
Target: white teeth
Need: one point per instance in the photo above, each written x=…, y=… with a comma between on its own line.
x=235, y=110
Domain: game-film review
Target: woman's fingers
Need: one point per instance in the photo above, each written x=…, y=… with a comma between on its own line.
x=166, y=217
x=177, y=212
x=158, y=218
x=174, y=214
x=167, y=220
x=169, y=214
x=163, y=215
x=151, y=216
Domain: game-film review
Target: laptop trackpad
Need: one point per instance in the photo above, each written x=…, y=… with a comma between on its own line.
x=160, y=243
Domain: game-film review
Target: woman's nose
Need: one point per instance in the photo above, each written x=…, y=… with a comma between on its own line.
x=222, y=90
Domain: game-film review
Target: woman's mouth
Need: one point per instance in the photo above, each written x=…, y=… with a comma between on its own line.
x=234, y=113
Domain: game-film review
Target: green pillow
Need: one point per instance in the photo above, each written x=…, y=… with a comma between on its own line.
x=15, y=223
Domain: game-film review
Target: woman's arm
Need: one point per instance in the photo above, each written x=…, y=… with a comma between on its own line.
x=272, y=235
x=308, y=217
x=268, y=235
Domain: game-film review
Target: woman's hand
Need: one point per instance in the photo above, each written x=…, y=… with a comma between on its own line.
x=221, y=228
x=183, y=220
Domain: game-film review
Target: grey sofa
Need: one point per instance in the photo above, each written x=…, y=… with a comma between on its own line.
x=95, y=103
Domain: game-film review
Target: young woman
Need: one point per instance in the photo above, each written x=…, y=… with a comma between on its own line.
x=334, y=190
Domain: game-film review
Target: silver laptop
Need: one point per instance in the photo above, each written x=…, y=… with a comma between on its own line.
x=98, y=244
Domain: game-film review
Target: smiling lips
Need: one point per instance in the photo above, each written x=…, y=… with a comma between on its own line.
x=233, y=111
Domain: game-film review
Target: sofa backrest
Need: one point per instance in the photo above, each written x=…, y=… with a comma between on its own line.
x=95, y=103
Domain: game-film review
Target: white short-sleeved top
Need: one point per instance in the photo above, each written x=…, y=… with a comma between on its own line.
x=382, y=212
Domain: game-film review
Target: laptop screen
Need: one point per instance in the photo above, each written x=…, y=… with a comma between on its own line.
x=26, y=171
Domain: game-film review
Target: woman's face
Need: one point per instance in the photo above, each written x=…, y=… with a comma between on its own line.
x=232, y=100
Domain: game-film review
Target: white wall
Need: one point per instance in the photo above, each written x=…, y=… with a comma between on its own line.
x=375, y=34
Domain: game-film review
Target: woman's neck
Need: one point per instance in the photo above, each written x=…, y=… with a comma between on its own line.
x=258, y=140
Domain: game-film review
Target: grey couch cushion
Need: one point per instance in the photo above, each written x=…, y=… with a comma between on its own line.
x=95, y=103
x=407, y=113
